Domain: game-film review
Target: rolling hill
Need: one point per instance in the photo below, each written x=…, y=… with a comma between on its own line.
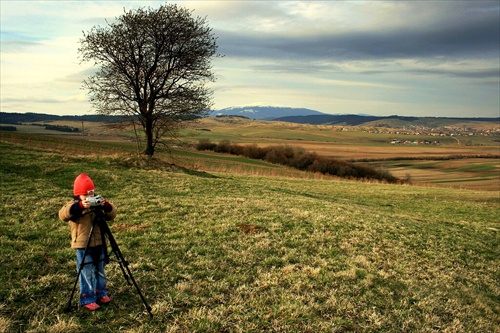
x=388, y=121
x=291, y=115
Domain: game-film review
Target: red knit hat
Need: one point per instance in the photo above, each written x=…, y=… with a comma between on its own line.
x=83, y=184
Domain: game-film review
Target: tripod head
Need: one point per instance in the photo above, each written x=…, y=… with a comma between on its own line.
x=98, y=212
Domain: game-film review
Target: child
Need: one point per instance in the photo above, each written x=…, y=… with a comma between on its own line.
x=79, y=215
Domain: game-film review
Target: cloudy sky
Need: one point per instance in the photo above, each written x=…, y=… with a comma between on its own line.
x=414, y=58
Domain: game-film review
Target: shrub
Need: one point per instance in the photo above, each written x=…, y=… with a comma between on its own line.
x=280, y=154
x=223, y=146
x=255, y=152
x=205, y=144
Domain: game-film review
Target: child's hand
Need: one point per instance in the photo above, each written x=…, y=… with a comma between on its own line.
x=103, y=202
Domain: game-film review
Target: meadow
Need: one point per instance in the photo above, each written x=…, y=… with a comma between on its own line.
x=464, y=162
x=253, y=251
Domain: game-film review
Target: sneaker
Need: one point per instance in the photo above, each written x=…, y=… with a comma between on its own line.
x=104, y=300
x=91, y=306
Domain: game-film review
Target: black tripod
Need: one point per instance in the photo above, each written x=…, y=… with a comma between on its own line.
x=100, y=221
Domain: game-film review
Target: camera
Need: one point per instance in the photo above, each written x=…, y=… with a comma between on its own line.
x=95, y=200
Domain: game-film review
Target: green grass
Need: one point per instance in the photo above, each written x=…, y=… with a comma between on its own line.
x=475, y=168
x=222, y=157
x=333, y=256
x=255, y=135
x=462, y=180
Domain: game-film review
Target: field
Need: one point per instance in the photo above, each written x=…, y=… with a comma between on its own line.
x=465, y=162
x=260, y=249
x=452, y=162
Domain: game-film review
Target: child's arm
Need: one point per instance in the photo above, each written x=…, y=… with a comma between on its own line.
x=71, y=211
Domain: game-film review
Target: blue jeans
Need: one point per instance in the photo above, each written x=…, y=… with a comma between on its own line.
x=92, y=278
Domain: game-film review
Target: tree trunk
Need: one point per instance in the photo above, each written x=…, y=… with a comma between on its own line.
x=149, y=138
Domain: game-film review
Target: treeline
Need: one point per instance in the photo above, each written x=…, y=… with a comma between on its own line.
x=19, y=118
x=22, y=118
x=62, y=128
x=357, y=120
x=297, y=157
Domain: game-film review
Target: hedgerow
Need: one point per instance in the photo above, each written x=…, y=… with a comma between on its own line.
x=297, y=157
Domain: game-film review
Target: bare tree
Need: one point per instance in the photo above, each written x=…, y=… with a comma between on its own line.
x=154, y=64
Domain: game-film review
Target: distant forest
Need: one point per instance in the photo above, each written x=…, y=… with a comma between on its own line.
x=326, y=119
x=356, y=120
x=18, y=118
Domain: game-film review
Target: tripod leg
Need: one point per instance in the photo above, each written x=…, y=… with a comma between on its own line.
x=105, y=232
x=68, y=306
x=123, y=264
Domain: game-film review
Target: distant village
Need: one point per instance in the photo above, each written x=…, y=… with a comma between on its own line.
x=457, y=132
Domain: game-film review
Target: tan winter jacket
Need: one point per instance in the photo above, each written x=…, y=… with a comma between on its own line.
x=80, y=225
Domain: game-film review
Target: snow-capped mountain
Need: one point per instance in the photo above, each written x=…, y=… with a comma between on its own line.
x=264, y=112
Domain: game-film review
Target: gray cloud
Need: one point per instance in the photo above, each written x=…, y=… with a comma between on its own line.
x=473, y=31
x=297, y=67
x=490, y=73
x=78, y=77
x=311, y=68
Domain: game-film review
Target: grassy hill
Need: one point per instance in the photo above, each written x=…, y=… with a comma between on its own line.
x=234, y=252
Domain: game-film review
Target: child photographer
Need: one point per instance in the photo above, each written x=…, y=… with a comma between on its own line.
x=80, y=213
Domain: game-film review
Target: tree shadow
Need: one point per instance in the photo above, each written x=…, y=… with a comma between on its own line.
x=196, y=173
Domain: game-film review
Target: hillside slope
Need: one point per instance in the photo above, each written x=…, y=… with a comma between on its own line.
x=222, y=252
